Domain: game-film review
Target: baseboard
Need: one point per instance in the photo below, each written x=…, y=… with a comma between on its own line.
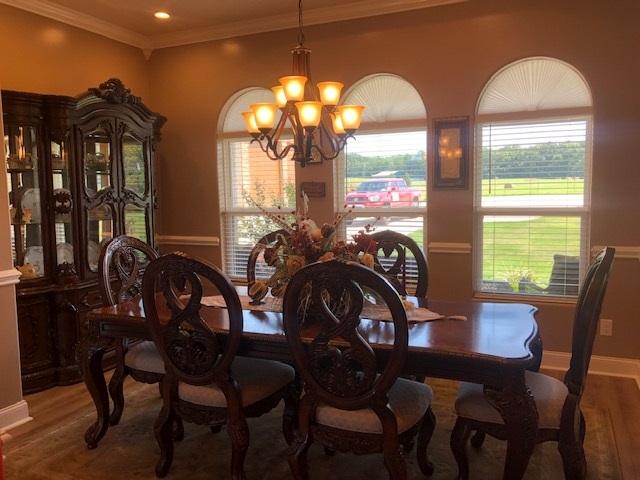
x=14, y=416
x=599, y=365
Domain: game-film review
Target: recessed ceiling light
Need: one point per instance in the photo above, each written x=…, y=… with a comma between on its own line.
x=162, y=15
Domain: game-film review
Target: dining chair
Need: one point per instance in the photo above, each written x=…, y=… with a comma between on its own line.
x=205, y=382
x=351, y=401
x=564, y=279
x=120, y=269
x=268, y=240
x=558, y=403
x=395, y=265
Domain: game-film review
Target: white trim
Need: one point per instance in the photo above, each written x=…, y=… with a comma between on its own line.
x=316, y=16
x=599, y=365
x=9, y=277
x=449, y=247
x=14, y=416
x=624, y=251
x=77, y=19
x=199, y=241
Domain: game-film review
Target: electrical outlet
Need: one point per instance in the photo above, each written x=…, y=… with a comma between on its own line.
x=606, y=327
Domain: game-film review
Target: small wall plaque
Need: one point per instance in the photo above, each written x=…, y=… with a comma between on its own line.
x=313, y=189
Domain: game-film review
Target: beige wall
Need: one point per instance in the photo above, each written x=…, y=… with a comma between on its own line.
x=448, y=53
x=43, y=56
x=40, y=55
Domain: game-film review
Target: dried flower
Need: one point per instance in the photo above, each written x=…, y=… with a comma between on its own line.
x=326, y=257
x=295, y=263
x=367, y=260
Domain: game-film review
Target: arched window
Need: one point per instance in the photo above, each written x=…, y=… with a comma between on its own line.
x=244, y=170
x=383, y=173
x=533, y=162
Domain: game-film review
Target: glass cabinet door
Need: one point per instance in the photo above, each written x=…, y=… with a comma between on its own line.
x=135, y=222
x=97, y=161
x=100, y=228
x=21, y=157
x=62, y=203
x=133, y=164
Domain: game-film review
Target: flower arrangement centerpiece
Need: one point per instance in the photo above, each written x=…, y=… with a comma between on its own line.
x=304, y=242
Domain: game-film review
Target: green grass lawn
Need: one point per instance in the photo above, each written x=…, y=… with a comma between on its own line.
x=517, y=249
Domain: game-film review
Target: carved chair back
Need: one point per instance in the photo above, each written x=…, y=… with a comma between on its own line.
x=337, y=365
x=586, y=318
x=269, y=240
x=172, y=294
x=127, y=257
x=390, y=242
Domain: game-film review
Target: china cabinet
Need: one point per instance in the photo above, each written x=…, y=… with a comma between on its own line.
x=79, y=171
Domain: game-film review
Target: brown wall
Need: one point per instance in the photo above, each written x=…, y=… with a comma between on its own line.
x=448, y=53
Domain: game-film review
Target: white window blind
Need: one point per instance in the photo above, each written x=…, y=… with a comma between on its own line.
x=248, y=172
x=532, y=180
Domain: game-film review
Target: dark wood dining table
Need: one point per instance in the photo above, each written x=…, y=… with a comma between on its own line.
x=493, y=346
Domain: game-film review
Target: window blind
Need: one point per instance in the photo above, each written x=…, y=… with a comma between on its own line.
x=386, y=170
x=538, y=164
x=533, y=210
x=250, y=176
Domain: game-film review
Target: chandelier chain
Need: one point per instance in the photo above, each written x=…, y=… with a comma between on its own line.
x=301, y=37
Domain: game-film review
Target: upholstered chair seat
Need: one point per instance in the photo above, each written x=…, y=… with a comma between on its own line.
x=408, y=401
x=257, y=379
x=549, y=394
x=144, y=356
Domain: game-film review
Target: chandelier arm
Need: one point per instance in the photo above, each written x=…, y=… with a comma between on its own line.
x=342, y=142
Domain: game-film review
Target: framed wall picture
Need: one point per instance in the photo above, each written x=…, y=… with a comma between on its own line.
x=451, y=143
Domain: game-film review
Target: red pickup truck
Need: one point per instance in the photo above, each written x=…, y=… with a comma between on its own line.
x=383, y=192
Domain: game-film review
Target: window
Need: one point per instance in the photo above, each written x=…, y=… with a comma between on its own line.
x=244, y=170
x=382, y=175
x=532, y=179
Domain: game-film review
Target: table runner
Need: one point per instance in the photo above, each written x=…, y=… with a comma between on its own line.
x=371, y=311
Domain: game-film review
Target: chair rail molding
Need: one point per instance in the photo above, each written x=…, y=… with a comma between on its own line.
x=623, y=251
x=9, y=277
x=147, y=43
x=449, y=247
x=191, y=240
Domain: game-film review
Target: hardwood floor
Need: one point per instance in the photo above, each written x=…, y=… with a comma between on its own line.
x=618, y=396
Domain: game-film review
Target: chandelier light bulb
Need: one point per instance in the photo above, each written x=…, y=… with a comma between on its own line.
x=309, y=113
x=336, y=123
x=293, y=87
x=330, y=92
x=351, y=116
x=281, y=98
x=250, y=122
x=265, y=115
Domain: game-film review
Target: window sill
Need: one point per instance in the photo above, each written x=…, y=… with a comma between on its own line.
x=533, y=299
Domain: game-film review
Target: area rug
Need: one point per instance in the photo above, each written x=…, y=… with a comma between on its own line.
x=129, y=450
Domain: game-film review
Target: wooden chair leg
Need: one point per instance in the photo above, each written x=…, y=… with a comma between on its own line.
x=290, y=415
x=573, y=459
x=395, y=464
x=459, y=438
x=164, y=435
x=215, y=428
x=116, y=384
x=424, y=437
x=178, y=429
x=238, y=431
x=478, y=439
x=583, y=428
x=298, y=457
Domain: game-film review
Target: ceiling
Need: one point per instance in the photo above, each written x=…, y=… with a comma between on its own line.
x=192, y=21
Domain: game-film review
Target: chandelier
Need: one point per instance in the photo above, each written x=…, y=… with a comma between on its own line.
x=320, y=127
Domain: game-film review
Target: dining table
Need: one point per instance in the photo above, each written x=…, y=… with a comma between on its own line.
x=488, y=343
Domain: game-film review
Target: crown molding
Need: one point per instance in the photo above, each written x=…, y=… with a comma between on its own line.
x=82, y=20
x=316, y=16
